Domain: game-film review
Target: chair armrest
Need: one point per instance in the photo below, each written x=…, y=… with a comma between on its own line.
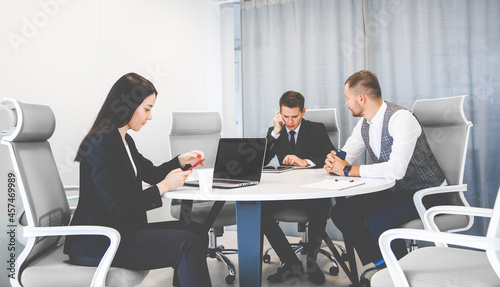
x=101, y=272
x=395, y=270
x=430, y=215
x=419, y=195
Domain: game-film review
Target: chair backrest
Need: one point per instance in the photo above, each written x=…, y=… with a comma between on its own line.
x=38, y=181
x=329, y=118
x=494, y=232
x=196, y=130
x=447, y=130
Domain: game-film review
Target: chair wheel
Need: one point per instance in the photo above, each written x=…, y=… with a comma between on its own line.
x=334, y=270
x=266, y=258
x=230, y=279
x=364, y=282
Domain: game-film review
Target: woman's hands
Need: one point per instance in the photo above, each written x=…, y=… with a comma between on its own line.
x=173, y=180
x=177, y=177
x=190, y=157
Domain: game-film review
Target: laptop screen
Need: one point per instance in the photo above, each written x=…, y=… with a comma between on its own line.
x=240, y=158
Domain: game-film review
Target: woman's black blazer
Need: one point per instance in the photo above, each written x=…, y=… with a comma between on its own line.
x=111, y=195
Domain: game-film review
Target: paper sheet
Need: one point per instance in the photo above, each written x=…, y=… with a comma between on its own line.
x=334, y=184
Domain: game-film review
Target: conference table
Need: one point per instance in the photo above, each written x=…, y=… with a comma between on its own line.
x=287, y=185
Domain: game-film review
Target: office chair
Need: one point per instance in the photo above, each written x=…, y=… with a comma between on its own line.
x=202, y=131
x=447, y=131
x=47, y=214
x=472, y=261
x=329, y=118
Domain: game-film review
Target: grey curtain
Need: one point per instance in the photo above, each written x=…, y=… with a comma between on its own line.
x=418, y=49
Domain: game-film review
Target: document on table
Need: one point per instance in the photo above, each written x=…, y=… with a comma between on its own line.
x=334, y=184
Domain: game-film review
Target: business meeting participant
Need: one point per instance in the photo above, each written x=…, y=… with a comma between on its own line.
x=298, y=142
x=111, y=194
x=397, y=145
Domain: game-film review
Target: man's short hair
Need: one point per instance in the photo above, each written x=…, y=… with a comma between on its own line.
x=292, y=99
x=366, y=83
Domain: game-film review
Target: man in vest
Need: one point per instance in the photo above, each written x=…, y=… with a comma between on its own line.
x=397, y=145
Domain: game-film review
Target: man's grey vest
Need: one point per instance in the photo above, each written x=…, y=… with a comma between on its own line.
x=423, y=170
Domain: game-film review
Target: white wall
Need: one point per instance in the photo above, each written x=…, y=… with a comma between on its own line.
x=67, y=54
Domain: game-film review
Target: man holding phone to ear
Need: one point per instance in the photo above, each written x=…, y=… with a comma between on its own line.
x=298, y=142
x=310, y=142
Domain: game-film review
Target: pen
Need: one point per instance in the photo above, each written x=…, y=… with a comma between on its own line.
x=350, y=180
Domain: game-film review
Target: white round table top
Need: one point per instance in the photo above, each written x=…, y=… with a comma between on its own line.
x=284, y=186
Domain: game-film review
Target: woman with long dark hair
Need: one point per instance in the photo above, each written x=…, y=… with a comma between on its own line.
x=111, y=193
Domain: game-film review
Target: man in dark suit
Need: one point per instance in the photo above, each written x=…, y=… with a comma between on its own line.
x=298, y=142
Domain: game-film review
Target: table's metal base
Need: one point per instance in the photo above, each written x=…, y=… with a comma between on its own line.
x=250, y=239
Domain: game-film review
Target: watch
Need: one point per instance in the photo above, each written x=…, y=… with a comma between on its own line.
x=347, y=169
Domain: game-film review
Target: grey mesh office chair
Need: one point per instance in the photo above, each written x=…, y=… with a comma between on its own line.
x=329, y=118
x=202, y=131
x=472, y=261
x=47, y=214
x=447, y=130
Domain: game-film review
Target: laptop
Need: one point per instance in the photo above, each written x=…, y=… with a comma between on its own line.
x=238, y=163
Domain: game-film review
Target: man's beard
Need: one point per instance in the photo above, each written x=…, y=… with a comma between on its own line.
x=356, y=114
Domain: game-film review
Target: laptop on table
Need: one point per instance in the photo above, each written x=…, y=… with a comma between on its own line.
x=238, y=163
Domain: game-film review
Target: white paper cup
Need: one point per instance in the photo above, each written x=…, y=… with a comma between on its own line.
x=205, y=178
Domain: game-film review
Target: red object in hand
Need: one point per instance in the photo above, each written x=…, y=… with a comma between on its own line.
x=194, y=165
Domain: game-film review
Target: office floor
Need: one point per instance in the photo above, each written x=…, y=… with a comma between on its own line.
x=218, y=271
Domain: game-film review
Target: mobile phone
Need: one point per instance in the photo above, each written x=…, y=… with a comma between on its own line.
x=341, y=154
x=194, y=165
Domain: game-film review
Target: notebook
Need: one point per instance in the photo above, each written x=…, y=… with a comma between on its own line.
x=277, y=169
x=238, y=163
